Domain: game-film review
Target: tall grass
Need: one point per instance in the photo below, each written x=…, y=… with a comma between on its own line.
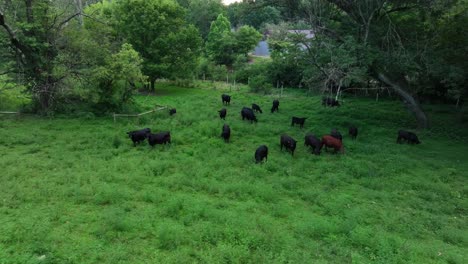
x=77, y=191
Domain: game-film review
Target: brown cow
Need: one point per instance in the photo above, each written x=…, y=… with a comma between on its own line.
x=331, y=142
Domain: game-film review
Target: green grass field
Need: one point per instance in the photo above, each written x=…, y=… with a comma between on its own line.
x=77, y=191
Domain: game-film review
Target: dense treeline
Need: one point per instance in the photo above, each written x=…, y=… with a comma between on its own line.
x=98, y=53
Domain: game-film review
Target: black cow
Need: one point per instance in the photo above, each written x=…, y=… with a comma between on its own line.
x=410, y=137
x=327, y=101
x=226, y=98
x=172, y=111
x=226, y=133
x=249, y=114
x=159, y=138
x=256, y=108
x=288, y=142
x=261, y=153
x=298, y=120
x=353, y=132
x=275, y=106
x=138, y=136
x=336, y=134
x=315, y=143
x=222, y=113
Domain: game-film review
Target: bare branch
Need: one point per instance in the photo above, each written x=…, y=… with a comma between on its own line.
x=60, y=26
x=14, y=40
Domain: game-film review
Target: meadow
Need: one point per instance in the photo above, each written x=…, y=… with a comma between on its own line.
x=75, y=190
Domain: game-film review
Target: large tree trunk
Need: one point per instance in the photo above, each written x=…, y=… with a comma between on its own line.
x=409, y=101
x=152, y=83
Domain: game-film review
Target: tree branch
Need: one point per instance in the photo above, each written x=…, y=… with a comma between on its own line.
x=14, y=40
x=401, y=8
x=60, y=26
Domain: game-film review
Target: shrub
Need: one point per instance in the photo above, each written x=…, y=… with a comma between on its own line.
x=259, y=83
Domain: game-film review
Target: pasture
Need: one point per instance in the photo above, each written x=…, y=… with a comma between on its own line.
x=75, y=190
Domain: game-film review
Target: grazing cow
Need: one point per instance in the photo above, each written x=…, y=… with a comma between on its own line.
x=222, y=113
x=331, y=142
x=256, y=108
x=226, y=98
x=226, y=133
x=353, y=131
x=261, y=153
x=288, y=142
x=159, y=138
x=313, y=142
x=336, y=134
x=139, y=135
x=410, y=137
x=249, y=114
x=298, y=120
x=172, y=111
x=327, y=101
x=275, y=106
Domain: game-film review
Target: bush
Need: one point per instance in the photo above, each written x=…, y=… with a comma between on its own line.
x=257, y=68
x=259, y=83
x=210, y=71
x=12, y=96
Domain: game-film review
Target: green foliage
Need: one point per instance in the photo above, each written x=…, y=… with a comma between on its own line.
x=259, y=69
x=223, y=45
x=210, y=71
x=202, y=12
x=246, y=39
x=116, y=80
x=184, y=53
x=204, y=201
x=288, y=59
x=34, y=31
x=158, y=31
x=12, y=96
x=260, y=83
x=242, y=13
x=220, y=43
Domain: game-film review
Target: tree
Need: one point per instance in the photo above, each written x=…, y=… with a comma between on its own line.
x=246, y=39
x=34, y=34
x=154, y=27
x=220, y=43
x=202, y=12
x=223, y=46
x=115, y=81
x=253, y=14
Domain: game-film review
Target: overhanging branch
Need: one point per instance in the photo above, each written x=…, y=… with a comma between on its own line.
x=14, y=40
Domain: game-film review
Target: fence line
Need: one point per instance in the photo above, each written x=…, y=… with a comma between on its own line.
x=10, y=113
x=158, y=107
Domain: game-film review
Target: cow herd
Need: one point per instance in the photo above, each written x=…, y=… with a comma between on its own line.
x=334, y=140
